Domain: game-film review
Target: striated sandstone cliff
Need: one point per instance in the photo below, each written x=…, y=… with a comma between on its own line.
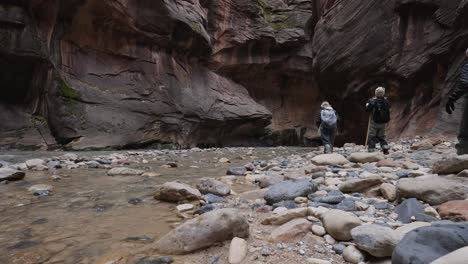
x=127, y=73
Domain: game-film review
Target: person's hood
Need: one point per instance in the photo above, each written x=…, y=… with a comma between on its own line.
x=328, y=107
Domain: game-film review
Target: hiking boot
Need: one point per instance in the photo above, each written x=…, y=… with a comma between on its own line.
x=385, y=151
x=328, y=149
x=370, y=150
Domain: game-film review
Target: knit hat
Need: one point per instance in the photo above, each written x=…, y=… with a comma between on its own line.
x=326, y=104
x=380, y=92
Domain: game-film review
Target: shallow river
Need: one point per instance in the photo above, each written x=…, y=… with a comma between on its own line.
x=91, y=214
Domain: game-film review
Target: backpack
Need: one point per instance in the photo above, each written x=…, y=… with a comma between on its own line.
x=381, y=111
x=328, y=117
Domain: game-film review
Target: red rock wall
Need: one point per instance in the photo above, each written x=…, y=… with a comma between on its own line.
x=115, y=73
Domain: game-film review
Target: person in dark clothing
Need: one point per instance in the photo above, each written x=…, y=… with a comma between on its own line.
x=327, y=123
x=457, y=93
x=379, y=107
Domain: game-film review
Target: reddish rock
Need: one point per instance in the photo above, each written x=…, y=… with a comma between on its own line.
x=454, y=210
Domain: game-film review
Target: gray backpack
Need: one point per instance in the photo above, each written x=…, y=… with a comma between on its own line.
x=328, y=117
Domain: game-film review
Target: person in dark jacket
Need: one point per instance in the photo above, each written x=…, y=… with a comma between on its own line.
x=457, y=93
x=327, y=123
x=379, y=107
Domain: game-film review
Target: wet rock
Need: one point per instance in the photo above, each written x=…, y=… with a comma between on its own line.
x=408, y=209
x=176, y=192
x=329, y=159
x=7, y=174
x=290, y=231
x=224, y=160
x=426, y=244
x=139, y=239
x=431, y=189
x=456, y=257
x=148, y=260
x=365, y=157
x=360, y=185
x=135, y=201
x=213, y=186
x=286, y=216
x=339, y=224
x=211, y=198
x=204, y=231
x=376, y=240
x=184, y=207
x=204, y=209
x=454, y=210
x=104, y=161
x=389, y=191
x=123, y=171
x=236, y=171
x=285, y=204
x=237, y=250
x=41, y=189
x=451, y=165
x=289, y=190
x=353, y=255
x=54, y=165
x=36, y=164
x=333, y=197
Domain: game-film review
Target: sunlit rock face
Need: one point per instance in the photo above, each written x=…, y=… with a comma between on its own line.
x=117, y=73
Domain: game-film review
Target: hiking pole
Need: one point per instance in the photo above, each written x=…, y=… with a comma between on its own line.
x=367, y=133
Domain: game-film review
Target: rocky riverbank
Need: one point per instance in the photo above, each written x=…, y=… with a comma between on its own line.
x=284, y=207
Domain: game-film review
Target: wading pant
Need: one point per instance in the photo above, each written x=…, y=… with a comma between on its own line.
x=377, y=135
x=328, y=136
x=462, y=146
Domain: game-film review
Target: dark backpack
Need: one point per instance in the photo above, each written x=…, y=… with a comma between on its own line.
x=381, y=111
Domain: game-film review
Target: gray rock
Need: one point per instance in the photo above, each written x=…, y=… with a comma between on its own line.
x=339, y=224
x=286, y=204
x=426, y=244
x=206, y=230
x=7, y=174
x=211, y=198
x=339, y=248
x=213, y=186
x=204, y=209
x=376, y=240
x=360, y=185
x=451, y=165
x=176, y=192
x=330, y=159
x=347, y=205
x=431, y=189
x=333, y=197
x=289, y=190
x=409, y=208
x=236, y=171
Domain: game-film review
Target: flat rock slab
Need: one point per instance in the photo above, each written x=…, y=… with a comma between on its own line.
x=360, y=185
x=451, y=165
x=366, y=157
x=289, y=190
x=204, y=231
x=329, y=159
x=124, y=171
x=290, y=231
x=431, y=189
x=454, y=210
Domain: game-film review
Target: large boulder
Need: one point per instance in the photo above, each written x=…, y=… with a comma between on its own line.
x=290, y=230
x=426, y=244
x=213, y=186
x=431, y=189
x=376, y=240
x=365, y=157
x=329, y=159
x=339, y=224
x=7, y=174
x=458, y=256
x=451, y=165
x=360, y=185
x=176, y=192
x=289, y=190
x=454, y=210
x=204, y=231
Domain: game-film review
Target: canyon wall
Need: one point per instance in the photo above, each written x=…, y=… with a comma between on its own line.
x=97, y=74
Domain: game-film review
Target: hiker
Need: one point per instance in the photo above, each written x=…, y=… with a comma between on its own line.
x=327, y=123
x=379, y=107
x=459, y=91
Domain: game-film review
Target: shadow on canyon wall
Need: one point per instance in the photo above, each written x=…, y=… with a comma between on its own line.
x=92, y=74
